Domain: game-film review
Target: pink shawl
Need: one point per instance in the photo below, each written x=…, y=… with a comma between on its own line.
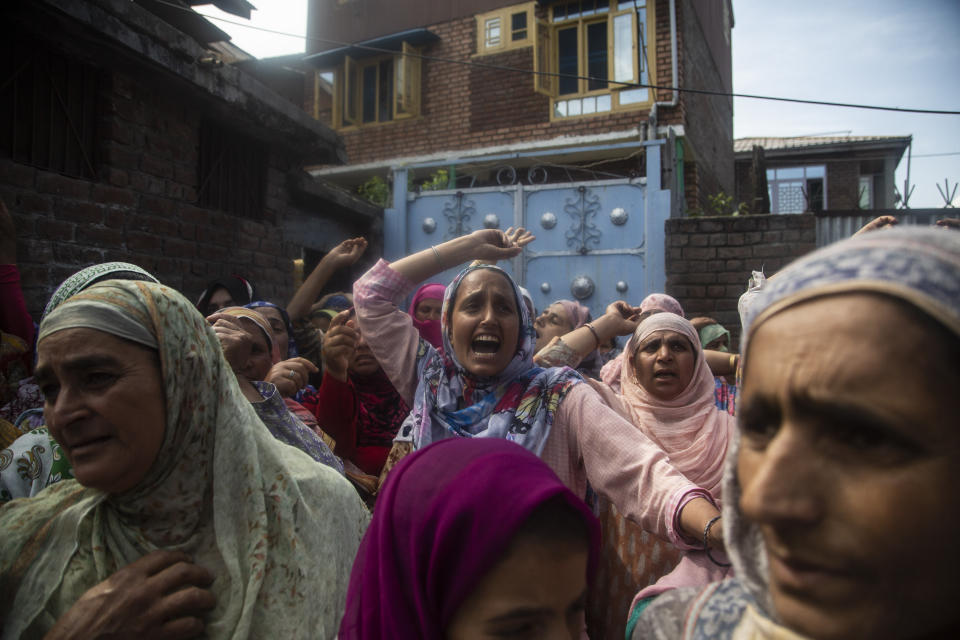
x=689, y=428
x=429, y=329
x=610, y=373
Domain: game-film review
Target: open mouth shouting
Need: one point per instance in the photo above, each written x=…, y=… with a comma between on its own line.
x=485, y=346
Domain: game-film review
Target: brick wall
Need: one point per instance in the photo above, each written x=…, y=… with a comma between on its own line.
x=843, y=184
x=709, y=260
x=141, y=209
x=467, y=107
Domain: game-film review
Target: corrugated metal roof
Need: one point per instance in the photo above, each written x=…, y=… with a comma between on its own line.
x=742, y=145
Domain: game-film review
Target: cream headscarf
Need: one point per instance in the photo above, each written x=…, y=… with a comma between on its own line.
x=278, y=530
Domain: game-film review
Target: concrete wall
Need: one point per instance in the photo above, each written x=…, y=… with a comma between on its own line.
x=709, y=260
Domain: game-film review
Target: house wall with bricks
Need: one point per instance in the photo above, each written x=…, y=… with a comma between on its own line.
x=710, y=260
x=141, y=206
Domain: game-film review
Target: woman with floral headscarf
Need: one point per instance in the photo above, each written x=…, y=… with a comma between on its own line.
x=483, y=383
x=841, y=512
x=185, y=516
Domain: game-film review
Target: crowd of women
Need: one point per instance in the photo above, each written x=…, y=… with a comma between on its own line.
x=420, y=460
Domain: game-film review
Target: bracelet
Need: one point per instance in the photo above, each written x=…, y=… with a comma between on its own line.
x=733, y=361
x=436, y=254
x=594, y=332
x=706, y=547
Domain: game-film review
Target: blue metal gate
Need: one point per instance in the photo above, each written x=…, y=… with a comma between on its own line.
x=597, y=241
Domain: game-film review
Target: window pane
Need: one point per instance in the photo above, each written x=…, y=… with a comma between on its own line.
x=602, y=5
x=385, y=92
x=560, y=109
x=369, y=93
x=574, y=107
x=492, y=30
x=589, y=105
x=518, y=26
x=815, y=194
x=623, y=48
x=633, y=96
x=603, y=103
x=789, y=173
x=597, y=56
x=568, y=61
x=818, y=171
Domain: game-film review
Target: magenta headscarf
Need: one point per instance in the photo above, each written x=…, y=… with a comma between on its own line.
x=610, y=373
x=444, y=517
x=429, y=329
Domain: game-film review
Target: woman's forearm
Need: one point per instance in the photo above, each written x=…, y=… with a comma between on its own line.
x=425, y=264
x=309, y=291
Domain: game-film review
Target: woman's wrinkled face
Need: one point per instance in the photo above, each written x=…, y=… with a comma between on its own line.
x=537, y=590
x=485, y=323
x=219, y=299
x=553, y=322
x=277, y=326
x=664, y=363
x=104, y=403
x=848, y=466
x=428, y=309
x=261, y=358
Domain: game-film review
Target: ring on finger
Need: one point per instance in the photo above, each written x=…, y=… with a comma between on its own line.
x=291, y=374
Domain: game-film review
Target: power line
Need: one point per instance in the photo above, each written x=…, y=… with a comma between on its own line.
x=936, y=155
x=497, y=67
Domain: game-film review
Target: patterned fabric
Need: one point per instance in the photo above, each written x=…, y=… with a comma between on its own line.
x=287, y=428
x=725, y=396
x=254, y=511
x=917, y=266
x=381, y=409
x=610, y=372
x=309, y=339
x=33, y=462
x=432, y=538
x=85, y=277
x=518, y=404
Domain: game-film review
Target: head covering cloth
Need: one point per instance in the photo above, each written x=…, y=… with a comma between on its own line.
x=292, y=351
x=688, y=427
x=261, y=322
x=429, y=329
x=713, y=331
x=579, y=315
x=85, y=277
x=432, y=538
x=252, y=510
x=240, y=289
x=610, y=373
x=517, y=404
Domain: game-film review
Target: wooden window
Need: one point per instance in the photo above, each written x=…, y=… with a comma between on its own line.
x=233, y=172
x=48, y=107
x=377, y=90
x=598, y=49
x=504, y=29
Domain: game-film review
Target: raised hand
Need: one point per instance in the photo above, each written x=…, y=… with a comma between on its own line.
x=234, y=339
x=290, y=376
x=161, y=595
x=339, y=345
x=625, y=318
x=492, y=244
x=346, y=253
x=520, y=236
x=880, y=222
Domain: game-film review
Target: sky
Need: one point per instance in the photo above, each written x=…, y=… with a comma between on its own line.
x=879, y=52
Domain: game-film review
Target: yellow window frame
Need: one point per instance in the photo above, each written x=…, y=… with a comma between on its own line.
x=506, y=29
x=348, y=88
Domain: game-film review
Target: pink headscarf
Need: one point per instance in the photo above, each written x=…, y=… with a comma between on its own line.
x=689, y=428
x=576, y=312
x=429, y=329
x=445, y=516
x=610, y=373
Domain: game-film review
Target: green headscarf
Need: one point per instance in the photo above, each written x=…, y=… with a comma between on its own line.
x=85, y=277
x=278, y=530
x=713, y=331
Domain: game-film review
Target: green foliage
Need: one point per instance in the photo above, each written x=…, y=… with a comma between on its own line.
x=376, y=190
x=436, y=181
x=720, y=204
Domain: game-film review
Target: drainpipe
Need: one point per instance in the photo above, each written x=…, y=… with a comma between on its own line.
x=672, y=102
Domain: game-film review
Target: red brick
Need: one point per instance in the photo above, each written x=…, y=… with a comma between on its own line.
x=17, y=174
x=112, y=195
x=145, y=242
x=50, y=229
x=34, y=203
x=99, y=236
x=84, y=212
x=178, y=248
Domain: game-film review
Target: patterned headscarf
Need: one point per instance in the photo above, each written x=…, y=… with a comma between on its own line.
x=85, y=277
x=261, y=322
x=252, y=510
x=517, y=404
x=432, y=538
